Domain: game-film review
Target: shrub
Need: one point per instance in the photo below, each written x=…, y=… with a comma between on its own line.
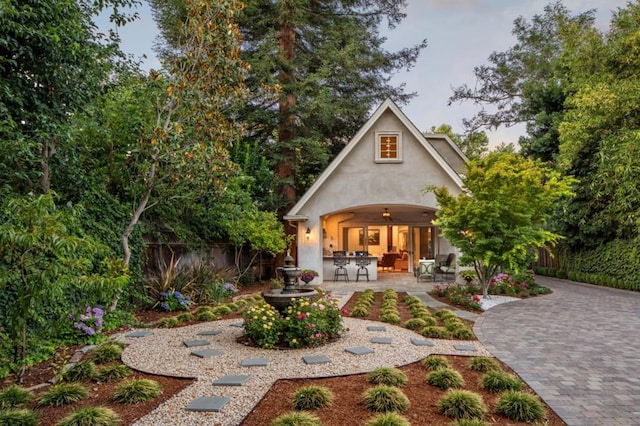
x=222, y=310
x=483, y=364
x=296, y=418
x=173, y=300
x=445, y=378
x=263, y=325
x=469, y=422
x=62, y=394
x=435, y=332
x=415, y=324
x=207, y=315
x=498, y=381
x=384, y=398
x=185, y=317
x=429, y=320
x=443, y=314
x=463, y=333
x=106, y=352
x=387, y=376
x=312, y=397
x=91, y=416
x=435, y=362
x=391, y=318
x=112, y=373
x=168, y=322
x=462, y=404
x=135, y=391
x=79, y=371
x=520, y=406
x=14, y=396
x=360, y=311
x=18, y=417
x=388, y=419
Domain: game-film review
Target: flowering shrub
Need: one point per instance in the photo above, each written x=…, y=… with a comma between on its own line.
x=307, y=275
x=89, y=322
x=173, y=300
x=219, y=291
x=302, y=324
x=463, y=296
x=504, y=284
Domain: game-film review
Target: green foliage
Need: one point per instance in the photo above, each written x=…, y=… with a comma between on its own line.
x=206, y=314
x=48, y=266
x=498, y=381
x=91, y=416
x=296, y=418
x=14, y=396
x=520, y=406
x=435, y=362
x=389, y=376
x=112, y=373
x=415, y=324
x=462, y=404
x=387, y=419
x=185, y=317
x=171, y=322
x=135, y=391
x=435, y=332
x=312, y=397
x=18, y=417
x=106, y=352
x=382, y=398
x=62, y=394
x=469, y=422
x=302, y=324
x=501, y=216
x=80, y=371
x=483, y=364
x=445, y=378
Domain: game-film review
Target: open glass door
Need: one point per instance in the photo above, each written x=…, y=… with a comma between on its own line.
x=423, y=243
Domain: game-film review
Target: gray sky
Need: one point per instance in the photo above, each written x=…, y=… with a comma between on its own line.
x=461, y=34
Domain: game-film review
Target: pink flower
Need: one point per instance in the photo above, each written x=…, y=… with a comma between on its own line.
x=321, y=306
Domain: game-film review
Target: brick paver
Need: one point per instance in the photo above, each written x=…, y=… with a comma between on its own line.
x=578, y=348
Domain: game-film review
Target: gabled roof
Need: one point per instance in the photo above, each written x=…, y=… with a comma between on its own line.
x=388, y=104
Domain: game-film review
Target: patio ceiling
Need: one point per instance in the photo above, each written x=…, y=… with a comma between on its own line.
x=398, y=215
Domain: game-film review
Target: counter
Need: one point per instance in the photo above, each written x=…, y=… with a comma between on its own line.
x=328, y=269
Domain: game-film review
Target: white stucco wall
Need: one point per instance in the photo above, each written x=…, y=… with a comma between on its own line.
x=359, y=181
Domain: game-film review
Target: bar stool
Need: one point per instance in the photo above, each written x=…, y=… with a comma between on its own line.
x=362, y=261
x=340, y=261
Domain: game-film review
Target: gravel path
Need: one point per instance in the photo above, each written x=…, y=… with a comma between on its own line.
x=164, y=353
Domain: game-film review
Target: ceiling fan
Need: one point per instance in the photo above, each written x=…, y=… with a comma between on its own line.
x=386, y=215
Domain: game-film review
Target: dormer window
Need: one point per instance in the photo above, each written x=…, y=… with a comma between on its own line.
x=388, y=147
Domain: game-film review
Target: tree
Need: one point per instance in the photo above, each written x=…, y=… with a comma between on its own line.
x=53, y=62
x=473, y=144
x=41, y=260
x=527, y=83
x=599, y=133
x=327, y=63
x=501, y=214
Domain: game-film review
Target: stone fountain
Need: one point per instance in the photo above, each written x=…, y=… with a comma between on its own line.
x=281, y=298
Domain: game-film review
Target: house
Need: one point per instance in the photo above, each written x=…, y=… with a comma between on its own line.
x=371, y=197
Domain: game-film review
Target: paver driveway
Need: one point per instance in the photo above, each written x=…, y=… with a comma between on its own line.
x=578, y=348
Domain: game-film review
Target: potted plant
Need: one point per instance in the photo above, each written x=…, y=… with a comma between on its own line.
x=307, y=275
x=468, y=275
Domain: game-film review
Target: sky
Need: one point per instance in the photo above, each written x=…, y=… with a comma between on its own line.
x=461, y=34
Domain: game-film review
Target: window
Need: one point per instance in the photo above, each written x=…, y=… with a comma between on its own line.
x=388, y=147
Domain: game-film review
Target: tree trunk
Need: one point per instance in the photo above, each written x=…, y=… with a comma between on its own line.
x=45, y=179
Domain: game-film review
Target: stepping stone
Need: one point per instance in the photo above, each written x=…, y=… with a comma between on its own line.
x=360, y=350
x=376, y=328
x=381, y=340
x=208, y=404
x=207, y=353
x=465, y=347
x=421, y=342
x=316, y=359
x=88, y=348
x=232, y=381
x=139, y=334
x=209, y=333
x=255, y=362
x=191, y=343
x=236, y=324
